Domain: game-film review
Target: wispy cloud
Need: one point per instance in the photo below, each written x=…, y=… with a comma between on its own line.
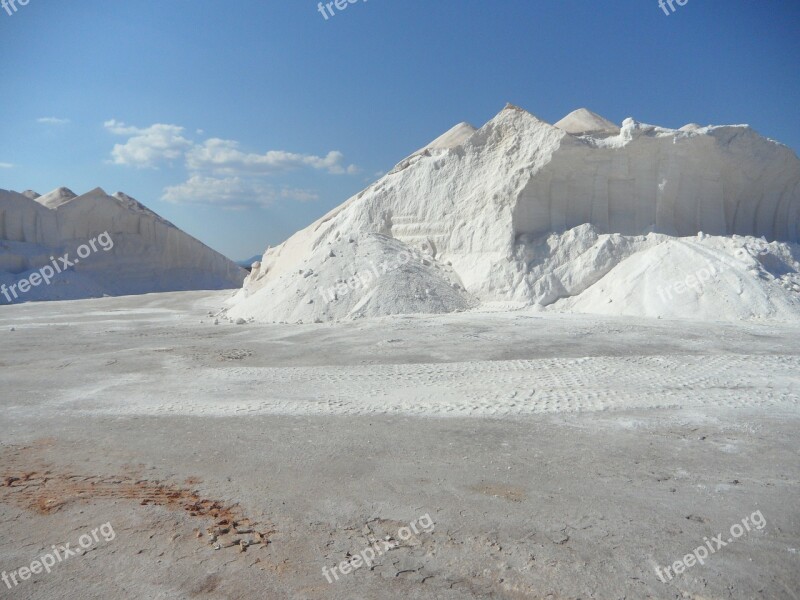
x=231, y=192
x=6, y=165
x=220, y=172
x=223, y=157
x=52, y=121
x=299, y=195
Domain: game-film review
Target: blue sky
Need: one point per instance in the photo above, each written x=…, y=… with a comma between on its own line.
x=244, y=121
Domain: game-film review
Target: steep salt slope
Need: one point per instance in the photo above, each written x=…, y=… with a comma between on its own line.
x=149, y=254
x=482, y=201
x=451, y=138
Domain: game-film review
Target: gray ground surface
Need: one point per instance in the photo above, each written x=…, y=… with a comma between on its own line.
x=578, y=488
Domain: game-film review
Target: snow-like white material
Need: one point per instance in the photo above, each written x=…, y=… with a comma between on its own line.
x=149, y=254
x=362, y=276
x=703, y=277
x=56, y=198
x=488, y=203
x=583, y=121
x=452, y=138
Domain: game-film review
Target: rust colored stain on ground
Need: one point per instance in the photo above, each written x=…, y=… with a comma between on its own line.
x=47, y=490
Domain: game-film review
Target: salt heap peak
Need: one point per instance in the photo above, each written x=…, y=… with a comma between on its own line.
x=583, y=122
x=57, y=197
x=31, y=194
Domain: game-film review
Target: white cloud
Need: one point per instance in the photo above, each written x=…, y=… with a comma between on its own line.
x=52, y=121
x=149, y=146
x=231, y=192
x=6, y=165
x=119, y=128
x=220, y=173
x=299, y=195
x=223, y=157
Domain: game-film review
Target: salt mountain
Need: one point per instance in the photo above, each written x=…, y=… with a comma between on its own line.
x=583, y=215
x=149, y=254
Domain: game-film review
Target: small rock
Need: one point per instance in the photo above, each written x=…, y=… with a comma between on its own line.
x=240, y=321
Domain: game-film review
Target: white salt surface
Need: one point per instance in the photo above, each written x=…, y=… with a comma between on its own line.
x=582, y=216
x=161, y=354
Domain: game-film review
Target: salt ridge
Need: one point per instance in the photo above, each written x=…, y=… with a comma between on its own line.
x=150, y=254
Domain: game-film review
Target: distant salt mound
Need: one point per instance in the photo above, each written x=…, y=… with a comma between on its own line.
x=56, y=198
x=149, y=254
x=530, y=214
x=584, y=121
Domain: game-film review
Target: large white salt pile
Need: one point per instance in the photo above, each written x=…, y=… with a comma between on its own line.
x=572, y=216
x=147, y=253
x=366, y=275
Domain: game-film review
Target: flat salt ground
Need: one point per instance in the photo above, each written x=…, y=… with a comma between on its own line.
x=560, y=456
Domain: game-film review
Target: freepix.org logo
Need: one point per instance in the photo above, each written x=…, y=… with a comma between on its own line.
x=10, y=6
x=327, y=9
x=47, y=272
x=663, y=5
